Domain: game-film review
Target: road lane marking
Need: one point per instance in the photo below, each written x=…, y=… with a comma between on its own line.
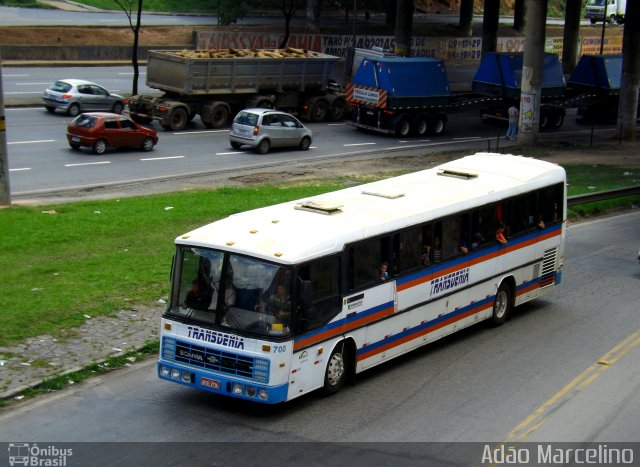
x=24, y=92
x=578, y=384
x=186, y=133
x=33, y=84
x=358, y=144
x=33, y=141
x=468, y=138
x=415, y=141
x=87, y=163
x=20, y=169
x=228, y=153
x=16, y=76
x=161, y=158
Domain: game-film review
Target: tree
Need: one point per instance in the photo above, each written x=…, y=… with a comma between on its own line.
x=127, y=7
x=288, y=9
x=229, y=12
x=490, y=24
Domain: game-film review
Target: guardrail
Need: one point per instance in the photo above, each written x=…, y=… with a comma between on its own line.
x=603, y=195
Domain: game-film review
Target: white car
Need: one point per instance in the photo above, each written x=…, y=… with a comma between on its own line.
x=263, y=129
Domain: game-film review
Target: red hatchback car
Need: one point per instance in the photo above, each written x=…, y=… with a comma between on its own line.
x=99, y=130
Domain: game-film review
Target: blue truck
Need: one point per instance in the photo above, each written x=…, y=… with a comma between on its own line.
x=400, y=96
x=597, y=79
x=500, y=76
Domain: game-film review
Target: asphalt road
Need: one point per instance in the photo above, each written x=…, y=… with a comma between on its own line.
x=564, y=369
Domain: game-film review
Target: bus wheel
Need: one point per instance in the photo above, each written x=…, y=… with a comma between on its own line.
x=336, y=372
x=501, y=305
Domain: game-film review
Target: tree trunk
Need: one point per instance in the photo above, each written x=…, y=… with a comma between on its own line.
x=571, y=35
x=490, y=22
x=134, y=52
x=628, y=105
x=404, y=21
x=466, y=17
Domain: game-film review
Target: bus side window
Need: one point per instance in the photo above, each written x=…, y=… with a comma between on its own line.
x=321, y=279
x=407, y=247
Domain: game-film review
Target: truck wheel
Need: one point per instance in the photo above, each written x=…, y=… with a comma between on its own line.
x=612, y=19
x=593, y=20
x=438, y=125
x=558, y=120
x=403, y=127
x=264, y=104
x=338, y=109
x=178, y=119
x=319, y=111
x=220, y=117
x=264, y=146
x=544, y=119
x=420, y=126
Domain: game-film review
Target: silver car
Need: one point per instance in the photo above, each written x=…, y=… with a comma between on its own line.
x=75, y=96
x=263, y=129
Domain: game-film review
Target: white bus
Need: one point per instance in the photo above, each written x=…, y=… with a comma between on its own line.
x=270, y=304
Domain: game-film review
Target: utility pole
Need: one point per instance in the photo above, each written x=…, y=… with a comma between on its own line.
x=532, y=68
x=5, y=192
x=630, y=80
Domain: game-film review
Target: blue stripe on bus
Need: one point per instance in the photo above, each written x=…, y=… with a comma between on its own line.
x=407, y=333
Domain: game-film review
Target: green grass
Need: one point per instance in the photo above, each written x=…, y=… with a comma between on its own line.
x=94, y=258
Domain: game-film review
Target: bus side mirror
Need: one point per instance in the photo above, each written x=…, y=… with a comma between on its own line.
x=306, y=294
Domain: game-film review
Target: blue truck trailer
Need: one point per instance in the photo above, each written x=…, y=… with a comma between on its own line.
x=400, y=96
x=597, y=79
x=500, y=76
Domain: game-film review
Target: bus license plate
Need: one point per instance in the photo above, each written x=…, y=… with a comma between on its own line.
x=210, y=383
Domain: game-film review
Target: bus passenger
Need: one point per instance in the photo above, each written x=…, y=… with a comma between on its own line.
x=198, y=298
x=280, y=304
x=436, y=252
x=384, y=274
x=500, y=234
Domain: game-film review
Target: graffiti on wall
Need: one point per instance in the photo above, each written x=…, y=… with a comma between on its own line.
x=451, y=49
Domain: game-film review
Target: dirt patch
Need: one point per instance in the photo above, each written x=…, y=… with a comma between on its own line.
x=76, y=36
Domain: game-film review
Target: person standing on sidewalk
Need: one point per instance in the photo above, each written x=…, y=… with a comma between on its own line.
x=512, y=131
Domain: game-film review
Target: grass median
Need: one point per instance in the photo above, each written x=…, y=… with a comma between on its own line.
x=63, y=263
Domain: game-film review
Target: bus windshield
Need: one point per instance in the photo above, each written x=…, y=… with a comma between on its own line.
x=232, y=292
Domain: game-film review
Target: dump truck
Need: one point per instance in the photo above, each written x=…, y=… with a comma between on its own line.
x=398, y=95
x=215, y=84
x=499, y=76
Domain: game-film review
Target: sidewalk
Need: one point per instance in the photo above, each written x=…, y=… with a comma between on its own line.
x=68, y=5
x=29, y=363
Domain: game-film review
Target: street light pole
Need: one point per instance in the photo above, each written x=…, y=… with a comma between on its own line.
x=5, y=192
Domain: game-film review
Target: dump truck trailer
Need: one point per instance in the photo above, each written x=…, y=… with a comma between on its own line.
x=216, y=84
x=400, y=96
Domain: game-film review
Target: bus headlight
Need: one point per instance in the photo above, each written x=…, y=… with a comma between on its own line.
x=175, y=373
x=250, y=391
x=187, y=377
x=263, y=394
x=164, y=370
x=237, y=389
